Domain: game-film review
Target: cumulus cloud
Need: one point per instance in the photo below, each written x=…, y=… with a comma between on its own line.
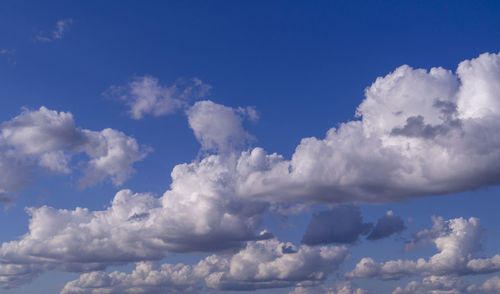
x=145, y=95
x=491, y=285
x=423, y=132
x=261, y=264
x=342, y=224
x=217, y=201
x=457, y=240
x=218, y=127
x=435, y=285
x=48, y=139
x=61, y=28
x=199, y=213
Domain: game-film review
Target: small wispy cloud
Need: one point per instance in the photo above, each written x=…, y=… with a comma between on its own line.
x=7, y=51
x=61, y=28
x=8, y=54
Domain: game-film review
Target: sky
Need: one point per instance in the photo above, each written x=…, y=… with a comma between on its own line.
x=295, y=147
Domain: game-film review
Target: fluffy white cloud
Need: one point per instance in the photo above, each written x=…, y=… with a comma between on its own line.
x=457, y=241
x=199, y=213
x=491, y=285
x=145, y=278
x=435, y=285
x=261, y=264
x=423, y=132
x=218, y=127
x=47, y=138
x=415, y=130
x=145, y=95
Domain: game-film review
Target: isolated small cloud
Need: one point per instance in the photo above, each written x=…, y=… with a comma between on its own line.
x=145, y=95
x=217, y=127
x=61, y=28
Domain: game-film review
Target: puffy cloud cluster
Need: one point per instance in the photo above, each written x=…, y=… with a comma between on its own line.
x=344, y=224
x=48, y=139
x=457, y=240
x=435, y=285
x=423, y=132
x=449, y=285
x=261, y=264
x=419, y=133
x=190, y=217
x=145, y=95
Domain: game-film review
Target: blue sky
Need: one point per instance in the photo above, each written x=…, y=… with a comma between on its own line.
x=178, y=147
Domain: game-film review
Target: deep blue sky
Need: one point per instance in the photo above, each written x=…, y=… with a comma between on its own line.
x=304, y=65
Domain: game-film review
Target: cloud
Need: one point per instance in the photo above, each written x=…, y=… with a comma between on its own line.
x=48, y=139
x=491, y=285
x=217, y=201
x=435, y=284
x=342, y=224
x=217, y=127
x=457, y=241
x=340, y=288
x=423, y=132
x=387, y=225
x=199, y=213
x=145, y=95
x=61, y=28
x=261, y=264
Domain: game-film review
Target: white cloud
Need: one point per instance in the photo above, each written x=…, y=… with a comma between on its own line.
x=48, y=138
x=261, y=264
x=491, y=285
x=457, y=240
x=414, y=132
x=417, y=129
x=434, y=285
x=145, y=95
x=199, y=213
x=61, y=28
x=217, y=127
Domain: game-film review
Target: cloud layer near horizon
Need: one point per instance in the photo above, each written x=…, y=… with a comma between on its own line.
x=261, y=264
